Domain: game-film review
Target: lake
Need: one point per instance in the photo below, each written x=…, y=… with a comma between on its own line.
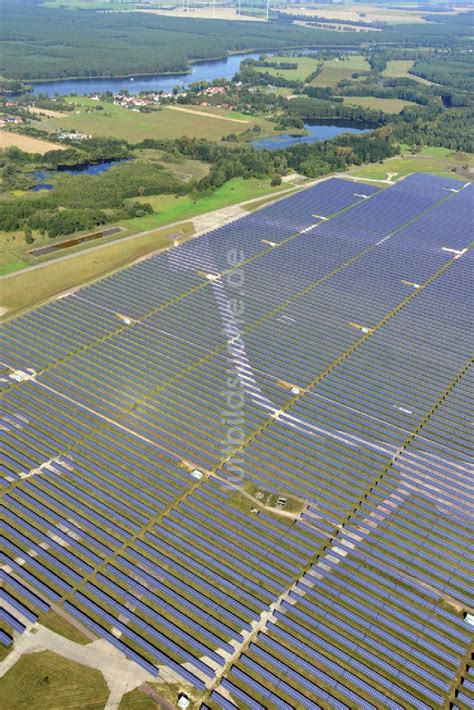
x=94, y=169
x=200, y=71
x=321, y=130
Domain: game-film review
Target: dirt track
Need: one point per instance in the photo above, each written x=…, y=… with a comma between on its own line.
x=206, y=113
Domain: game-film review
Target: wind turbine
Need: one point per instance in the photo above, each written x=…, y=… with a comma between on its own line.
x=268, y=9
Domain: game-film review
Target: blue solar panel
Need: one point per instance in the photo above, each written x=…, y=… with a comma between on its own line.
x=355, y=396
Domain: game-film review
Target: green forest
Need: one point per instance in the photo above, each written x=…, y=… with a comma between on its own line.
x=458, y=73
x=37, y=42
x=82, y=202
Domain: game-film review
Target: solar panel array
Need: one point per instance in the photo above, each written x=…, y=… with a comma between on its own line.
x=120, y=499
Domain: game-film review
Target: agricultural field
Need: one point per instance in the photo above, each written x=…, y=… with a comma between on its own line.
x=107, y=119
x=335, y=70
x=135, y=507
x=9, y=139
x=306, y=66
x=367, y=13
x=109, y=5
x=45, y=112
x=436, y=161
x=372, y=102
x=401, y=67
x=206, y=12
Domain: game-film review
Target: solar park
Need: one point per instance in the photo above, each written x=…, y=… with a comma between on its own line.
x=120, y=502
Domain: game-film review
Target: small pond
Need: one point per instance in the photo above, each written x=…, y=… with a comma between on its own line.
x=92, y=169
x=320, y=130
